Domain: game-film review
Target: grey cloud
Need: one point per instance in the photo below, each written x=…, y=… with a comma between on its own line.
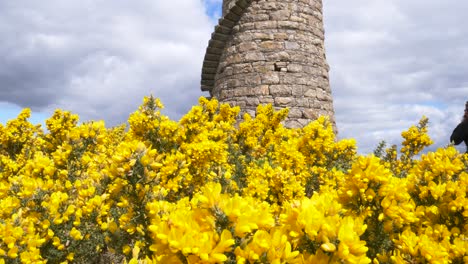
x=393, y=62
x=99, y=58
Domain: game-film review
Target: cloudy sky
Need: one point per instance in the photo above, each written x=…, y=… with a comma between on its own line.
x=392, y=61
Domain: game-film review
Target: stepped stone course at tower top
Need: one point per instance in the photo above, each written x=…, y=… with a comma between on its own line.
x=270, y=51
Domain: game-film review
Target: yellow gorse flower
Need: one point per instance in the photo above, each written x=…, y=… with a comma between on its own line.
x=211, y=188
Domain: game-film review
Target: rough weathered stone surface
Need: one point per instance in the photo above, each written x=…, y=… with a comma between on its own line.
x=270, y=51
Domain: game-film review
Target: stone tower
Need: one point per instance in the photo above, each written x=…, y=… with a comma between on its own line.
x=270, y=51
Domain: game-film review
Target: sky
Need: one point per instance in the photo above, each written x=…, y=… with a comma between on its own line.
x=391, y=61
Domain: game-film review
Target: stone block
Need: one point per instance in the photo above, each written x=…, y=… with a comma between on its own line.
x=271, y=45
x=212, y=57
x=261, y=17
x=232, y=83
x=238, y=102
x=253, y=80
x=298, y=19
x=222, y=30
x=280, y=90
x=267, y=100
x=328, y=107
x=266, y=25
x=316, y=41
x=278, y=56
x=322, y=96
x=287, y=25
x=270, y=78
x=269, y=5
x=250, y=91
x=311, y=92
x=238, y=38
x=237, y=10
x=231, y=16
x=210, y=64
x=281, y=65
x=292, y=67
x=300, y=57
x=216, y=44
x=250, y=112
x=295, y=78
x=290, y=45
x=302, y=102
x=262, y=90
x=247, y=17
x=246, y=26
x=227, y=23
x=310, y=114
x=262, y=68
x=314, y=103
x=295, y=113
x=235, y=29
x=208, y=76
x=231, y=49
x=214, y=50
x=254, y=56
x=242, y=68
x=281, y=36
x=226, y=94
x=240, y=91
x=207, y=82
x=262, y=36
x=280, y=15
x=303, y=122
x=207, y=70
x=292, y=123
x=235, y=58
x=298, y=90
x=252, y=101
x=228, y=71
x=311, y=71
x=242, y=3
x=284, y=101
x=318, y=15
x=247, y=46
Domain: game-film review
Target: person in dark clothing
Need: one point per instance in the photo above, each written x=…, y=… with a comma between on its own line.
x=460, y=133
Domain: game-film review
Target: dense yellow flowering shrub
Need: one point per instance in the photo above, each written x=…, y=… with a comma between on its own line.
x=210, y=189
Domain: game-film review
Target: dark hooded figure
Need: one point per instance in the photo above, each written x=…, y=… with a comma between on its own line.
x=460, y=133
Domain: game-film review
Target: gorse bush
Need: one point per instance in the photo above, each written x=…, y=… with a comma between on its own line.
x=208, y=189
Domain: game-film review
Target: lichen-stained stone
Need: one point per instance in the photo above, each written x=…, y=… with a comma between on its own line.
x=270, y=51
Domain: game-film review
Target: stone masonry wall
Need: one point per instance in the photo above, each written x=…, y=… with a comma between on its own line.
x=227, y=5
x=273, y=54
